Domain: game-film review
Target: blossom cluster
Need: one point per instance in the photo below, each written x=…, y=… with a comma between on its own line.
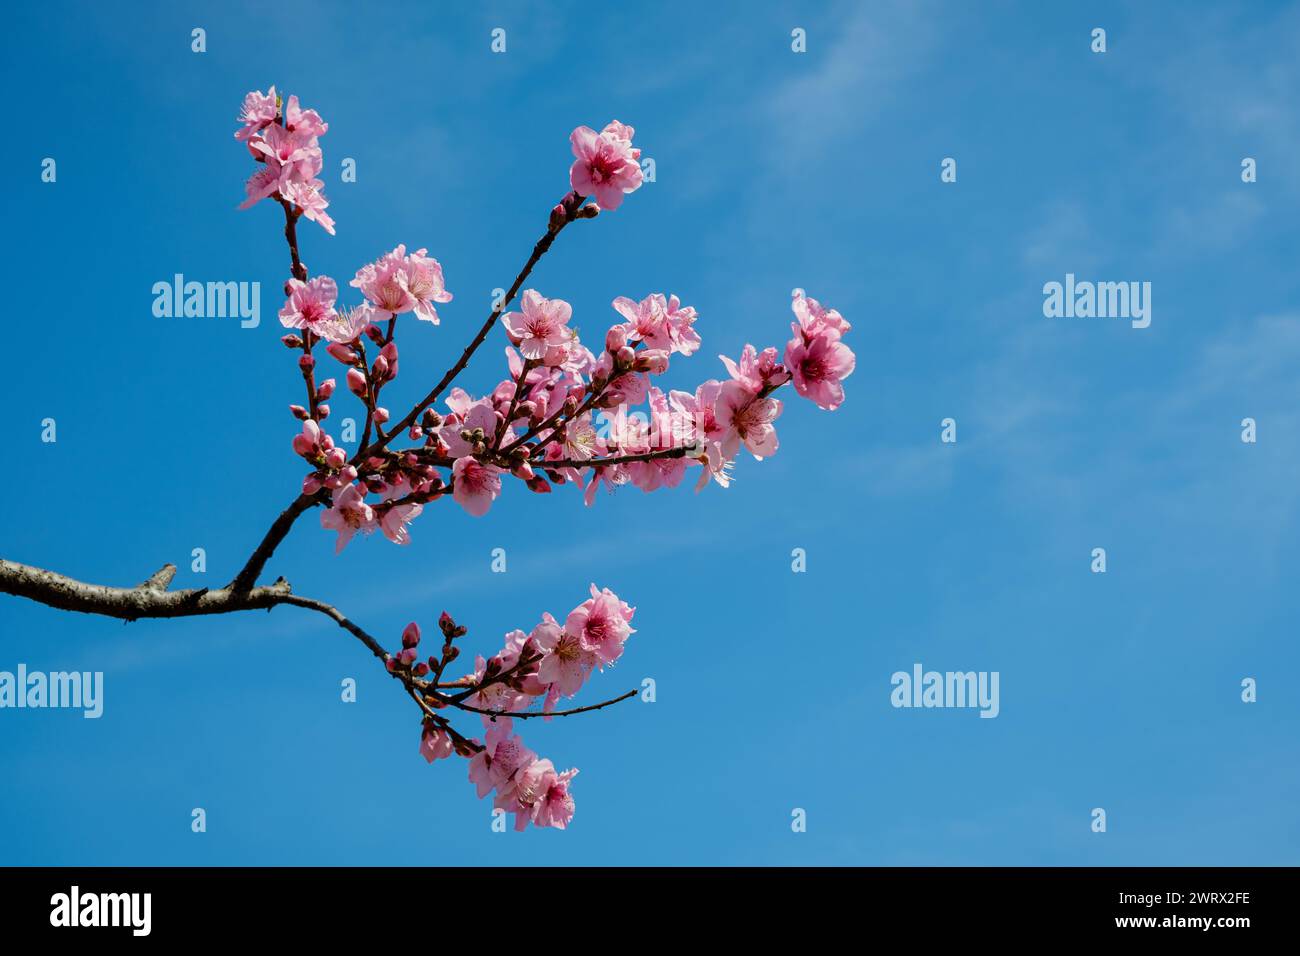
x=561, y=416
x=553, y=661
x=287, y=142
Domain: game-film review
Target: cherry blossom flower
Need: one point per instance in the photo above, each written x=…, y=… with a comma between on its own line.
x=567, y=663
x=310, y=304
x=348, y=515
x=259, y=111
x=395, y=517
x=425, y=283
x=745, y=417
x=555, y=807
x=384, y=283
x=309, y=198
x=397, y=283
x=346, y=324
x=476, y=485
x=602, y=625
x=540, y=327
x=606, y=165
x=817, y=357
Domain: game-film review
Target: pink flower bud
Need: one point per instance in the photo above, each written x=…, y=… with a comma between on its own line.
x=415, y=433
x=291, y=341
x=310, y=485
x=298, y=412
x=615, y=338
x=421, y=669
x=411, y=635
x=381, y=415
x=558, y=217
x=407, y=656
x=337, y=458
x=322, y=411
x=538, y=484
x=379, y=371
x=325, y=389
x=375, y=334
x=626, y=355
x=342, y=353
x=654, y=361
x=356, y=382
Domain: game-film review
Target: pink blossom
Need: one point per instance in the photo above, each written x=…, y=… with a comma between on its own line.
x=383, y=282
x=397, y=283
x=756, y=370
x=647, y=320
x=395, y=517
x=435, y=743
x=555, y=807
x=601, y=624
x=567, y=664
x=606, y=165
x=540, y=327
x=476, y=485
x=303, y=122
x=348, y=515
x=258, y=112
x=309, y=198
x=744, y=417
x=660, y=322
x=818, y=366
x=346, y=325
x=813, y=317
x=471, y=416
x=425, y=283
x=310, y=303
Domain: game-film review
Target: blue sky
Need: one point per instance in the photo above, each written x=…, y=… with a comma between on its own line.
x=774, y=170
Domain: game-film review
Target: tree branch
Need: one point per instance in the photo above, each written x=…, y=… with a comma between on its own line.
x=152, y=600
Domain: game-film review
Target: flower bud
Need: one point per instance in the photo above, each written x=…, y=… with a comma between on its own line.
x=615, y=338
x=379, y=371
x=291, y=341
x=625, y=356
x=325, y=389
x=589, y=211
x=342, y=353
x=306, y=363
x=559, y=215
x=411, y=635
x=322, y=411
x=375, y=334
x=381, y=415
x=654, y=361
x=298, y=412
x=336, y=458
x=357, y=382
x=539, y=485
